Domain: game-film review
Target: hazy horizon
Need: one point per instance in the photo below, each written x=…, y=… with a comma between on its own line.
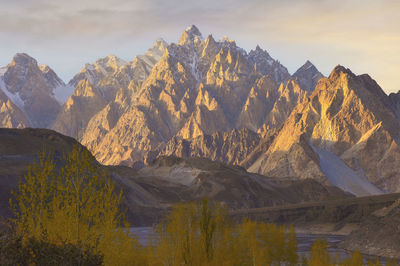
x=361, y=35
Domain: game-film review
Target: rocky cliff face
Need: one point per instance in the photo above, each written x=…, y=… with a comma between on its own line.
x=127, y=112
x=198, y=87
x=231, y=147
x=30, y=88
x=201, y=97
x=11, y=116
x=109, y=80
x=346, y=133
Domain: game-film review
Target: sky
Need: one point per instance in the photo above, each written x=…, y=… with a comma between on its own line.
x=363, y=35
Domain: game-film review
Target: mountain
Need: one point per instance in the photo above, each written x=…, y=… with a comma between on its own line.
x=209, y=98
x=127, y=112
x=346, y=134
x=198, y=87
x=109, y=80
x=395, y=103
x=11, y=116
x=308, y=76
x=32, y=90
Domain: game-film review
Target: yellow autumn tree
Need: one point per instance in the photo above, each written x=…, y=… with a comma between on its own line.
x=319, y=254
x=75, y=205
x=188, y=234
x=202, y=234
x=354, y=260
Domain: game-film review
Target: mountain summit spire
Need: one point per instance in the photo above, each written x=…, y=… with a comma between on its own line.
x=191, y=34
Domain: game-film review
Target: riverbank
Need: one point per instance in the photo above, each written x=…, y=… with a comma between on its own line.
x=327, y=228
x=304, y=240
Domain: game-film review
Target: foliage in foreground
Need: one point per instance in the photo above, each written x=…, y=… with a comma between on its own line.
x=200, y=234
x=319, y=255
x=75, y=205
x=71, y=216
x=13, y=251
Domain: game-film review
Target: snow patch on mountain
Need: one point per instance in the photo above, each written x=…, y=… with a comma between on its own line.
x=177, y=174
x=194, y=68
x=15, y=98
x=3, y=70
x=342, y=176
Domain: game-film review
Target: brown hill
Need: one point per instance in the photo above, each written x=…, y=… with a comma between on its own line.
x=148, y=193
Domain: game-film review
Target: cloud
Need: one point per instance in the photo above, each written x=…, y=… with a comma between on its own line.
x=363, y=35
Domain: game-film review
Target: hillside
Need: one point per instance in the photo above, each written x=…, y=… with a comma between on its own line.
x=148, y=193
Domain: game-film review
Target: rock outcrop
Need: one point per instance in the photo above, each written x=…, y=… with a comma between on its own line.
x=231, y=147
x=378, y=234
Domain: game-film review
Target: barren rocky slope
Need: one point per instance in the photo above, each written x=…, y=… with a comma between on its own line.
x=346, y=133
x=379, y=234
x=126, y=112
x=206, y=98
x=109, y=81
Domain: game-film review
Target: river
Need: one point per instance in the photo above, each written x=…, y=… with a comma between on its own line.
x=304, y=241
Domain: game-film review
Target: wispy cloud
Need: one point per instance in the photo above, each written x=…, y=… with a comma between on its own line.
x=362, y=35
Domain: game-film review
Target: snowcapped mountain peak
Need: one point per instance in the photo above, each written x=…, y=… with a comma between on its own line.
x=3, y=70
x=108, y=64
x=193, y=30
x=157, y=50
x=260, y=53
x=160, y=43
x=51, y=76
x=307, y=66
x=191, y=35
x=31, y=88
x=266, y=65
x=226, y=39
x=113, y=61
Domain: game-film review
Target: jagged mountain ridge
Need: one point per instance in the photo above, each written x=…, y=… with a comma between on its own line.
x=199, y=86
x=207, y=78
x=178, y=98
x=109, y=80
